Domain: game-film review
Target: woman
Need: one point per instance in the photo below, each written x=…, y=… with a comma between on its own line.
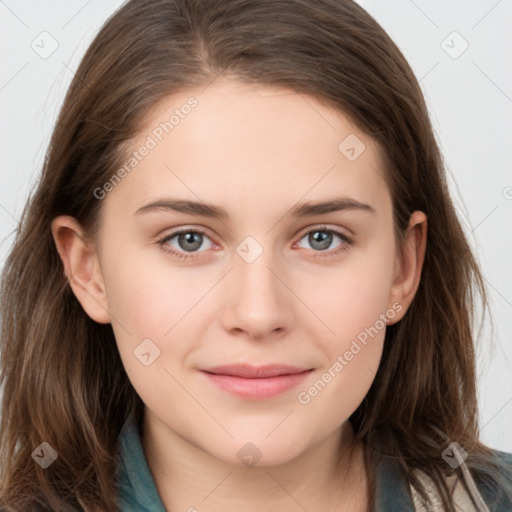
x=312, y=348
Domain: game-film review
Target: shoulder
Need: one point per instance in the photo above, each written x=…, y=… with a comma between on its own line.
x=496, y=492
x=505, y=457
x=502, y=494
x=471, y=493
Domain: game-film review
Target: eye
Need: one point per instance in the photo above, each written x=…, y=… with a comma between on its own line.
x=321, y=239
x=185, y=243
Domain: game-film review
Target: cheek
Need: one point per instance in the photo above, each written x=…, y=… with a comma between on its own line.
x=152, y=299
x=150, y=326
x=148, y=294
x=356, y=348
x=353, y=352
x=355, y=307
x=337, y=389
x=355, y=294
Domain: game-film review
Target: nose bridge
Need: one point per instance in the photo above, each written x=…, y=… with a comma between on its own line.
x=257, y=299
x=253, y=262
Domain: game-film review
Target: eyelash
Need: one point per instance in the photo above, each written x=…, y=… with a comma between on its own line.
x=347, y=242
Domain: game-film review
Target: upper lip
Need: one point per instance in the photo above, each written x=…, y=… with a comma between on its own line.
x=256, y=372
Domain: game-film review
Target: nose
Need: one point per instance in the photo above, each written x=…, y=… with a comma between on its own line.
x=258, y=302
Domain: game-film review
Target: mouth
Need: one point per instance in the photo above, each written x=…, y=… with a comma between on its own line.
x=253, y=382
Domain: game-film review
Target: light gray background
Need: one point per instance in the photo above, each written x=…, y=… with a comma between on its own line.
x=469, y=96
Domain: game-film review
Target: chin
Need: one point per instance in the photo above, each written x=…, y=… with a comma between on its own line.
x=259, y=452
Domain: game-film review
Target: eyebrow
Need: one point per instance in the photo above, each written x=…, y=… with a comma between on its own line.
x=209, y=210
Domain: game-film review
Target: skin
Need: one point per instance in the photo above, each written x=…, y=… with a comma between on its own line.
x=255, y=151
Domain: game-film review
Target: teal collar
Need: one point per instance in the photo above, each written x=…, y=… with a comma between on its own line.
x=138, y=492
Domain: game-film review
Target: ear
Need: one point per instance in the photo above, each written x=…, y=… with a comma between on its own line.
x=408, y=265
x=81, y=267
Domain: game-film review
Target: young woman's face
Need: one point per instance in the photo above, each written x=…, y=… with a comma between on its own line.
x=271, y=281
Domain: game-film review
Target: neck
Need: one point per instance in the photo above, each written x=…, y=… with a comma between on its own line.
x=329, y=476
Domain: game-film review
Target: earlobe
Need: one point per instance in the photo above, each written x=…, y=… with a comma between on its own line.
x=409, y=263
x=81, y=267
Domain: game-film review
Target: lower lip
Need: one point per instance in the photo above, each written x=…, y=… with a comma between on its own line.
x=257, y=388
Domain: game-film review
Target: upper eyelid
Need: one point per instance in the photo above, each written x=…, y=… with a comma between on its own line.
x=323, y=227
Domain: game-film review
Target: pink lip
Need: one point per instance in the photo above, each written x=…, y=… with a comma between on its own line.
x=256, y=382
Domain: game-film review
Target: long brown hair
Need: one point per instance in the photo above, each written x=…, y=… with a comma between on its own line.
x=62, y=375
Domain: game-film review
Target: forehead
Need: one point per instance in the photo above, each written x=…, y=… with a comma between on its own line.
x=248, y=146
